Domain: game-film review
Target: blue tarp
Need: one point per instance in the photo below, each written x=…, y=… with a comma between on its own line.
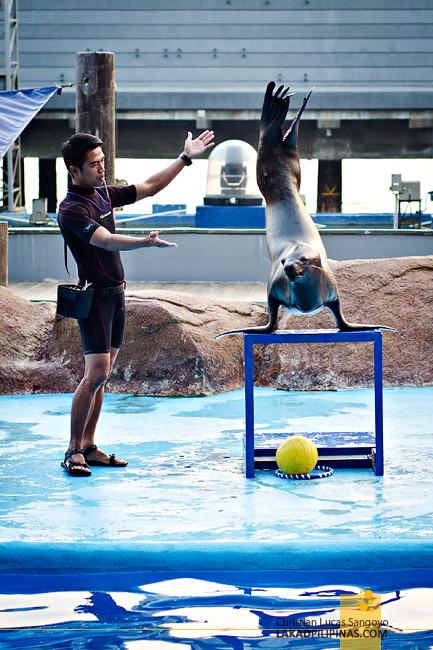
x=17, y=109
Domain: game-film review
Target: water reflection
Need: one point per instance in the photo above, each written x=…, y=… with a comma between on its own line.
x=198, y=613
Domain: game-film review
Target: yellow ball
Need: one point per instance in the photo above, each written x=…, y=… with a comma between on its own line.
x=296, y=455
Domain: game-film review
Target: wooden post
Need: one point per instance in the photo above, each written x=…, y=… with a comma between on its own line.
x=3, y=254
x=95, y=102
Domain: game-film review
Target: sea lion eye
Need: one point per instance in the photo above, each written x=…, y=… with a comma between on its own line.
x=283, y=261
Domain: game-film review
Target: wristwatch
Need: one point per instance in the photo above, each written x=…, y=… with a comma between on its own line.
x=186, y=159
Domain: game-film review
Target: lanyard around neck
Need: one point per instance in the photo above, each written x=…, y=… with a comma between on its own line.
x=93, y=202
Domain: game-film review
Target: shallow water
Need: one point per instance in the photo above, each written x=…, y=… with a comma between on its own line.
x=185, y=482
x=210, y=611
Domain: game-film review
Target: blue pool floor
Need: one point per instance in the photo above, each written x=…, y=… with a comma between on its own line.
x=185, y=481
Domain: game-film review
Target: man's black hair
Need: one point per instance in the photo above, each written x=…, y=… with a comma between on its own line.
x=74, y=150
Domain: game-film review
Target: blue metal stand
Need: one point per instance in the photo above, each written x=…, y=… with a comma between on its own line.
x=365, y=456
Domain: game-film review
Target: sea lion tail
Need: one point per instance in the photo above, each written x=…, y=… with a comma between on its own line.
x=274, y=111
x=290, y=139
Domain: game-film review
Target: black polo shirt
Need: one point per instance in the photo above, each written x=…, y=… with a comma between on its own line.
x=81, y=212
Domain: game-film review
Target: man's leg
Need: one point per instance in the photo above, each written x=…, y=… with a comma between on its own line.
x=87, y=401
x=89, y=432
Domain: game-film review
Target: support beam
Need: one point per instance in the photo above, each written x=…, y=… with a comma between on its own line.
x=329, y=186
x=160, y=138
x=95, y=102
x=3, y=253
x=47, y=182
x=12, y=160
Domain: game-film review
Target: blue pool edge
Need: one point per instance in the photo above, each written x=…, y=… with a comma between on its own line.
x=103, y=557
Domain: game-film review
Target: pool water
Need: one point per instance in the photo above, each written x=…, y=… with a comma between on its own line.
x=181, y=550
x=185, y=479
x=208, y=611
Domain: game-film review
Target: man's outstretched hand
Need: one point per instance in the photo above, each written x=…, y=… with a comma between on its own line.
x=154, y=240
x=194, y=148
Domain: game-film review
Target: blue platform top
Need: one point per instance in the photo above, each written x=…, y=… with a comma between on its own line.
x=314, y=336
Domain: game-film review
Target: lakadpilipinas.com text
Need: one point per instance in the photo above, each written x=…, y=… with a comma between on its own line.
x=319, y=628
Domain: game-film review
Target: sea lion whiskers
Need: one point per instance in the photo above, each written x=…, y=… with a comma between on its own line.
x=308, y=265
x=319, y=268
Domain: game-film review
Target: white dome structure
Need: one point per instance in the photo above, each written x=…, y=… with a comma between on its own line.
x=231, y=176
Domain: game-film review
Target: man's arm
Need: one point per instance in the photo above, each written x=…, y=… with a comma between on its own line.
x=102, y=238
x=157, y=182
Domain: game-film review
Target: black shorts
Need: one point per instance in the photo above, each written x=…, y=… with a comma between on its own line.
x=105, y=325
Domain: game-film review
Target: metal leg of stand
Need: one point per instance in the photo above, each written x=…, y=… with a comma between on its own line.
x=378, y=402
x=249, y=407
x=311, y=336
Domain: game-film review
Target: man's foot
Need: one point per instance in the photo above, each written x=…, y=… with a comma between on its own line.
x=96, y=457
x=74, y=463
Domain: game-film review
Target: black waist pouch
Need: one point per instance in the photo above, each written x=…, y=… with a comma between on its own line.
x=73, y=301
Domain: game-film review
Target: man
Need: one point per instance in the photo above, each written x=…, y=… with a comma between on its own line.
x=87, y=224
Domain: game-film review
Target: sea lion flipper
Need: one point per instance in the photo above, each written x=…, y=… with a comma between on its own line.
x=344, y=326
x=274, y=112
x=273, y=305
x=265, y=329
x=290, y=138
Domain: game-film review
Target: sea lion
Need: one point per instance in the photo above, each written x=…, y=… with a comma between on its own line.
x=300, y=280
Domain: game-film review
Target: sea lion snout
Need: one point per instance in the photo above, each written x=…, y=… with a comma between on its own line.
x=293, y=270
x=299, y=260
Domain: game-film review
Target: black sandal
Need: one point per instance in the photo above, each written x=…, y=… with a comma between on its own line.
x=69, y=465
x=99, y=463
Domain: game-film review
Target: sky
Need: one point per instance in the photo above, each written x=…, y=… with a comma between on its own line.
x=366, y=183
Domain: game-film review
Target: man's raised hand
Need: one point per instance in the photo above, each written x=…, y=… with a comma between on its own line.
x=194, y=148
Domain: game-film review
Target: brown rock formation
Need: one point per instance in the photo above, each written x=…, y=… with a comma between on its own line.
x=25, y=328
x=169, y=346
